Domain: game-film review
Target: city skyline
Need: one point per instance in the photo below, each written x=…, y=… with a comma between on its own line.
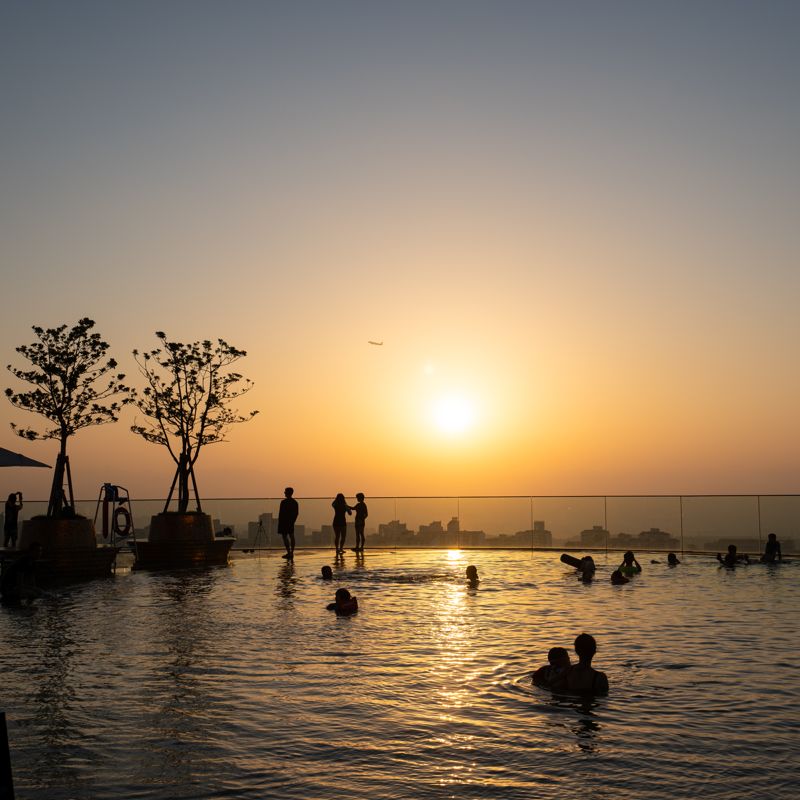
x=572, y=228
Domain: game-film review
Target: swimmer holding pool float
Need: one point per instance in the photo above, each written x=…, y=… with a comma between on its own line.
x=344, y=605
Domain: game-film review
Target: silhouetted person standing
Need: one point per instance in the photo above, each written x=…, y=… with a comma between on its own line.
x=361, y=515
x=287, y=514
x=340, y=510
x=11, y=525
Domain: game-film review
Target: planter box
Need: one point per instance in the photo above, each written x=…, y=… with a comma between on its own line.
x=70, y=551
x=178, y=541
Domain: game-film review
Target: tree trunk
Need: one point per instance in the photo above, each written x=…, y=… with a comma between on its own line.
x=56, y=503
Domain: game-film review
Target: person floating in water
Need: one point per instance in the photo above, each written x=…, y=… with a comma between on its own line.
x=617, y=578
x=361, y=515
x=287, y=514
x=553, y=675
x=630, y=566
x=18, y=584
x=340, y=510
x=344, y=605
x=731, y=558
x=672, y=560
x=327, y=573
x=472, y=576
x=772, y=550
x=582, y=677
x=11, y=524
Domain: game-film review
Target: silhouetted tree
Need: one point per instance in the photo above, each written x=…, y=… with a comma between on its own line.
x=189, y=389
x=67, y=364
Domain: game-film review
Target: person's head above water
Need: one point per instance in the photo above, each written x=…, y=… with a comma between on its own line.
x=342, y=595
x=558, y=657
x=672, y=559
x=327, y=573
x=585, y=647
x=628, y=557
x=472, y=573
x=618, y=577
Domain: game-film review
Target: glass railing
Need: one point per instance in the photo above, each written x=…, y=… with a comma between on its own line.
x=686, y=523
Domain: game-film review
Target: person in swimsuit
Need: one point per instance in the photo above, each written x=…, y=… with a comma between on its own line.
x=553, y=675
x=630, y=566
x=344, y=605
x=340, y=510
x=731, y=558
x=772, y=550
x=361, y=514
x=582, y=677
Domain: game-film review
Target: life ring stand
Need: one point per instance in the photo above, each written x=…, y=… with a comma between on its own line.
x=121, y=524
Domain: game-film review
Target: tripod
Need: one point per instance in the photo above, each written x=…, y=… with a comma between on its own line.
x=261, y=539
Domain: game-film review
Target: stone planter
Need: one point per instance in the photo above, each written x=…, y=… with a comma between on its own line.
x=179, y=540
x=69, y=550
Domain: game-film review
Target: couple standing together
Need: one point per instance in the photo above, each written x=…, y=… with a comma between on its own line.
x=289, y=509
x=340, y=512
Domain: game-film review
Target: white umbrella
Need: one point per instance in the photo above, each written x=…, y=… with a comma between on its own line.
x=9, y=459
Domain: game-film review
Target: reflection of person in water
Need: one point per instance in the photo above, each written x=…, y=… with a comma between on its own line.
x=583, y=677
x=732, y=558
x=361, y=515
x=772, y=550
x=18, y=584
x=553, y=675
x=472, y=576
x=340, y=509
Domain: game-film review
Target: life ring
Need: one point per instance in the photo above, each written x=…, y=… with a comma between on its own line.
x=122, y=521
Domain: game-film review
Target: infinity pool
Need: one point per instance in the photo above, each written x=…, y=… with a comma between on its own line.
x=237, y=683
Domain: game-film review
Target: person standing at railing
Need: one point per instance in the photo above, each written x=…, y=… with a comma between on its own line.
x=11, y=524
x=361, y=515
x=287, y=514
x=340, y=509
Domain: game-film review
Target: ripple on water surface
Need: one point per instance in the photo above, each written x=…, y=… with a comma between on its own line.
x=238, y=683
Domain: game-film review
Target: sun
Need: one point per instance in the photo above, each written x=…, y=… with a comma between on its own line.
x=454, y=414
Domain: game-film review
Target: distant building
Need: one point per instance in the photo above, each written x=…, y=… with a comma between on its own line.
x=596, y=536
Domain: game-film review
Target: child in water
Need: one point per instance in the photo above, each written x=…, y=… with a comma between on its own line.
x=630, y=566
x=553, y=675
x=344, y=605
x=472, y=576
x=617, y=578
x=732, y=558
x=327, y=573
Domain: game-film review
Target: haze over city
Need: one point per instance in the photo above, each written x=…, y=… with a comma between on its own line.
x=572, y=226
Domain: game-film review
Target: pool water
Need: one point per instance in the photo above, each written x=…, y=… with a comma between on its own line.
x=237, y=683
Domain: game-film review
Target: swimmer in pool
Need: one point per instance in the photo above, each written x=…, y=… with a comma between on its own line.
x=327, y=573
x=344, y=605
x=472, y=576
x=630, y=566
x=553, y=675
x=772, y=550
x=672, y=560
x=583, y=677
x=731, y=558
x=617, y=578
x=587, y=569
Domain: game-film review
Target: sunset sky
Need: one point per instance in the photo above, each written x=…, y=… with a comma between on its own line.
x=575, y=227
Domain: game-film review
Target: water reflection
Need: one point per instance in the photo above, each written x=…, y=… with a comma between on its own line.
x=584, y=723
x=287, y=585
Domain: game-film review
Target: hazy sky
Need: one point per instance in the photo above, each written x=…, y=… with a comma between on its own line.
x=576, y=227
